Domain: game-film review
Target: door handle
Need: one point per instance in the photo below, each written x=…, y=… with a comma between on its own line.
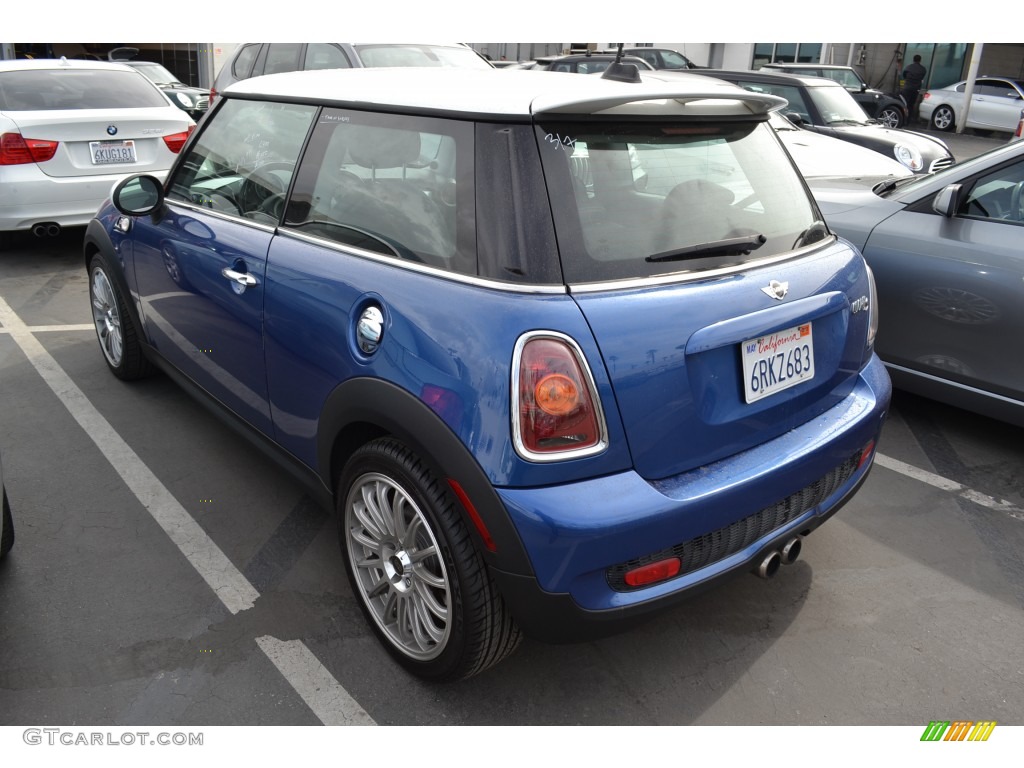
x=244, y=279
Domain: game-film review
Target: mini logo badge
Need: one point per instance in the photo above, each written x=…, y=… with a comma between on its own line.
x=776, y=290
x=111, y=130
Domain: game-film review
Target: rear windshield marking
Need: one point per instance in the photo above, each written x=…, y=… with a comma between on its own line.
x=560, y=141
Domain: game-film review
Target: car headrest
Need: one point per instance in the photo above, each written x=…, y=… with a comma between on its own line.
x=373, y=147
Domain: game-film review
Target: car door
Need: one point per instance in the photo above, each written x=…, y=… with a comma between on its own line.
x=951, y=290
x=200, y=264
x=996, y=104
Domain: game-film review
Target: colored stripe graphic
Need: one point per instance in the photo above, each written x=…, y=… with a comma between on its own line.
x=958, y=730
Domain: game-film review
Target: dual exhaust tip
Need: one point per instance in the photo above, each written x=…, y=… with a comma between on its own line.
x=46, y=229
x=787, y=555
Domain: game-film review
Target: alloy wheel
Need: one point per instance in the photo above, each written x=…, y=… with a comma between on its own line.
x=106, y=317
x=398, y=567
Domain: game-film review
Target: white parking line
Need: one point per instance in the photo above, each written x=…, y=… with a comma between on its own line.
x=322, y=693
x=937, y=481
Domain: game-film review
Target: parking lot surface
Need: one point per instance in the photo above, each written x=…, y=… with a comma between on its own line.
x=166, y=572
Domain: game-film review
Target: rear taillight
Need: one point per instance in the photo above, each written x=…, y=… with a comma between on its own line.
x=556, y=411
x=176, y=141
x=15, y=149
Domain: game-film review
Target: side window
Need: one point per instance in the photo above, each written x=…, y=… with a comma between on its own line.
x=997, y=195
x=243, y=161
x=282, y=57
x=241, y=66
x=788, y=92
x=325, y=56
x=397, y=186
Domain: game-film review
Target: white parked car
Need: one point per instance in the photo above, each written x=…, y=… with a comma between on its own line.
x=69, y=131
x=820, y=157
x=996, y=104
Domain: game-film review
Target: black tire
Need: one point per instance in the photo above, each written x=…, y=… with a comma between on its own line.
x=7, y=539
x=115, y=329
x=943, y=118
x=404, y=579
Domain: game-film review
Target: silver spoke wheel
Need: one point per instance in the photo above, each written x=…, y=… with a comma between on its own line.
x=106, y=318
x=397, y=566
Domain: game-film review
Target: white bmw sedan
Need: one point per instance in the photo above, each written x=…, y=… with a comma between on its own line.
x=69, y=131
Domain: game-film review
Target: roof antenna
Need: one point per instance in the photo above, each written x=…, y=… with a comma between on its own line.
x=625, y=73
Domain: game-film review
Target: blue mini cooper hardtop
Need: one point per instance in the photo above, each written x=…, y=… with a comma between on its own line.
x=558, y=351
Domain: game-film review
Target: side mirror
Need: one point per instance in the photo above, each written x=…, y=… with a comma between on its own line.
x=794, y=117
x=863, y=87
x=138, y=195
x=947, y=202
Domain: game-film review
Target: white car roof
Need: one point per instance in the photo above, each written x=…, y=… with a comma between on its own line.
x=506, y=94
x=12, y=65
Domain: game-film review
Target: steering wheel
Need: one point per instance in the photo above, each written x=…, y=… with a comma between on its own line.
x=1016, y=199
x=262, y=185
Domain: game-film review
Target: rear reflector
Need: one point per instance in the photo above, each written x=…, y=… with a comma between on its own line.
x=17, y=150
x=866, y=454
x=653, y=572
x=478, y=521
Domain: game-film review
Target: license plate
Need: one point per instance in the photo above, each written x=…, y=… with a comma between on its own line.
x=777, y=361
x=112, y=152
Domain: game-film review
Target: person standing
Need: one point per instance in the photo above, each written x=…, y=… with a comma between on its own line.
x=913, y=79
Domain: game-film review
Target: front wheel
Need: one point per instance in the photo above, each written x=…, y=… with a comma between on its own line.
x=412, y=562
x=943, y=118
x=891, y=117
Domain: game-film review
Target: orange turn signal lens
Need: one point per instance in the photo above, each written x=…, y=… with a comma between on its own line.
x=556, y=394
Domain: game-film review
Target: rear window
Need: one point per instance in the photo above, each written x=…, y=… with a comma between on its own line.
x=48, y=89
x=641, y=199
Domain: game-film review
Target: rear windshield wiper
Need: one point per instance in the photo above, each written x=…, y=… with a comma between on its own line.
x=729, y=246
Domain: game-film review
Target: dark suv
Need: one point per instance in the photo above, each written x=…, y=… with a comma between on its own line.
x=660, y=58
x=537, y=397
x=889, y=110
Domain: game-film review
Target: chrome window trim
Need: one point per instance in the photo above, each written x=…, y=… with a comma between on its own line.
x=517, y=435
x=175, y=202
x=705, y=274
x=425, y=269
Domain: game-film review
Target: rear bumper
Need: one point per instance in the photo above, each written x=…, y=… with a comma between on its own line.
x=574, y=534
x=29, y=197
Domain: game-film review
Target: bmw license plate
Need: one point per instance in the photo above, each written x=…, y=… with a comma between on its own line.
x=777, y=361
x=112, y=152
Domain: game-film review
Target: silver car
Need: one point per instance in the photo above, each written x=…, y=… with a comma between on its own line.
x=996, y=103
x=947, y=251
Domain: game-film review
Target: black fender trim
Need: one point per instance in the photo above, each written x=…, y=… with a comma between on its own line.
x=362, y=409
x=98, y=239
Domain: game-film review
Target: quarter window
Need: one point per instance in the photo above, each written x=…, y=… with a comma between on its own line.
x=401, y=187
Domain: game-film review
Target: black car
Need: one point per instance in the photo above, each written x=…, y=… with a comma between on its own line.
x=824, y=106
x=890, y=111
x=195, y=101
